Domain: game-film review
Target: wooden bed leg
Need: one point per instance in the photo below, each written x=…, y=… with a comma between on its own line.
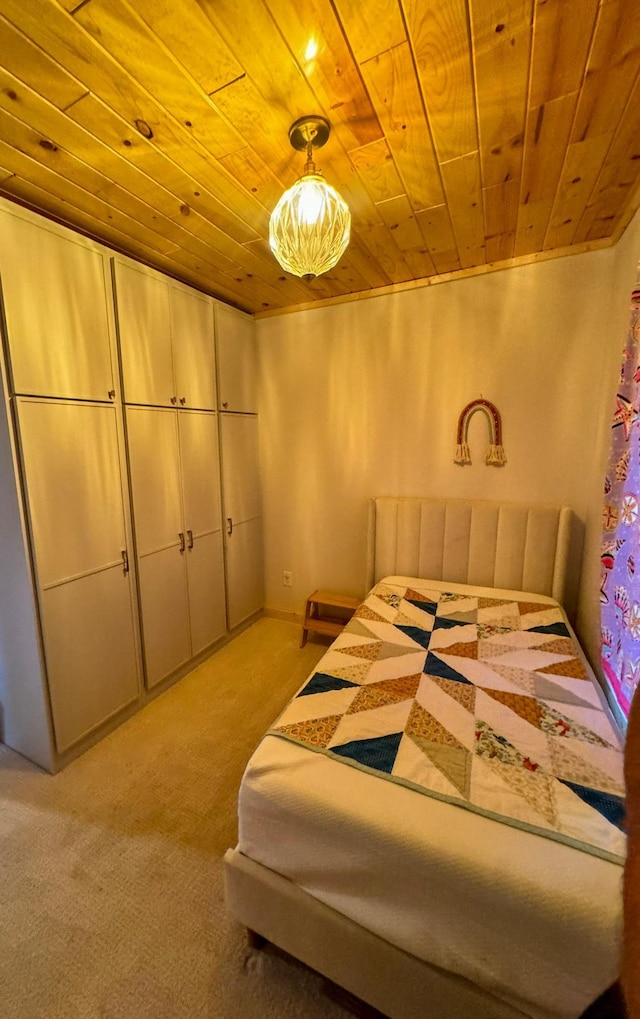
x=255, y=940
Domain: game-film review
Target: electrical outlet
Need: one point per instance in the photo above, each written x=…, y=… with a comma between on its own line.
x=287, y=578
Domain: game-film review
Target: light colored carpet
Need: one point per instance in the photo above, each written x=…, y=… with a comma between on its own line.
x=111, y=896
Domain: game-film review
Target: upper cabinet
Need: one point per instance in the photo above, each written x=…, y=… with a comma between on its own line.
x=166, y=340
x=237, y=360
x=144, y=328
x=56, y=298
x=193, y=348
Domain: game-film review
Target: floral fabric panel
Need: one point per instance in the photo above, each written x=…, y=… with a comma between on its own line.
x=620, y=587
x=484, y=702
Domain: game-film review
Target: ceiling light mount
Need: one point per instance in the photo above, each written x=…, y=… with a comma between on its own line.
x=310, y=226
x=306, y=131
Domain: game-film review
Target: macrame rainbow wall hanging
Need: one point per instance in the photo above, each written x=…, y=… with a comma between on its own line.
x=495, y=454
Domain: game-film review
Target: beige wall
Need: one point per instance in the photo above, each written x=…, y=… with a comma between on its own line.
x=362, y=399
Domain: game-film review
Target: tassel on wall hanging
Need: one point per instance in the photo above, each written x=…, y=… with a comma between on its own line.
x=495, y=454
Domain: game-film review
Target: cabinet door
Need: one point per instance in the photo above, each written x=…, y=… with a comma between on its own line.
x=55, y=300
x=237, y=360
x=144, y=328
x=240, y=467
x=193, y=349
x=165, y=612
x=245, y=571
x=200, y=471
x=206, y=590
x=202, y=519
x=73, y=485
x=154, y=460
x=90, y=652
x=72, y=471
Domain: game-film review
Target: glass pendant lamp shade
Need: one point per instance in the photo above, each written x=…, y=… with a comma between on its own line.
x=310, y=226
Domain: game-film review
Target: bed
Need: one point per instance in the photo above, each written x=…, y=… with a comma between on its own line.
x=434, y=822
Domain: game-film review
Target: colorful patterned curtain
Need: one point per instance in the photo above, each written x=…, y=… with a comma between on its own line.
x=620, y=588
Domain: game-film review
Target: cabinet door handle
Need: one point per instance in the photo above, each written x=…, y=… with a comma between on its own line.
x=125, y=561
x=182, y=545
x=174, y=399
x=183, y=400
x=225, y=404
x=190, y=538
x=112, y=394
x=229, y=525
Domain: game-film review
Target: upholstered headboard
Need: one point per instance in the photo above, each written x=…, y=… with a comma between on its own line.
x=516, y=546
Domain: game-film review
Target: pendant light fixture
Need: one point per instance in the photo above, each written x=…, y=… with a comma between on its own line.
x=310, y=226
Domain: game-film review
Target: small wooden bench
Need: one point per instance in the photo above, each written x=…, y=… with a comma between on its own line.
x=320, y=622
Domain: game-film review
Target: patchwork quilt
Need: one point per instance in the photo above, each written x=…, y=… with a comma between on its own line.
x=481, y=701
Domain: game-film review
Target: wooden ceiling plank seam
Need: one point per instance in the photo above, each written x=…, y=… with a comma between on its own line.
x=583, y=162
x=612, y=71
x=401, y=249
x=71, y=43
x=623, y=156
x=530, y=139
x=447, y=257
x=440, y=44
x=371, y=28
x=392, y=83
x=602, y=203
x=116, y=28
x=370, y=271
x=562, y=39
x=546, y=138
x=462, y=179
x=377, y=171
x=501, y=217
x=255, y=176
x=350, y=273
x=72, y=5
x=386, y=255
x=399, y=217
x=627, y=214
x=285, y=93
x=567, y=222
x=191, y=40
x=612, y=67
x=557, y=213
x=502, y=59
x=103, y=123
x=437, y=231
x=19, y=53
x=332, y=72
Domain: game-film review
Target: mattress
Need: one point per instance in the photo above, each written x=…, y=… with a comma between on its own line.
x=534, y=920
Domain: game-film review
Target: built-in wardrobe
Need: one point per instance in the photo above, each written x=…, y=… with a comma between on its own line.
x=131, y=522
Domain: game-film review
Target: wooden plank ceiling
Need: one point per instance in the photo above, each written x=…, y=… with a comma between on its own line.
x=465, y=133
